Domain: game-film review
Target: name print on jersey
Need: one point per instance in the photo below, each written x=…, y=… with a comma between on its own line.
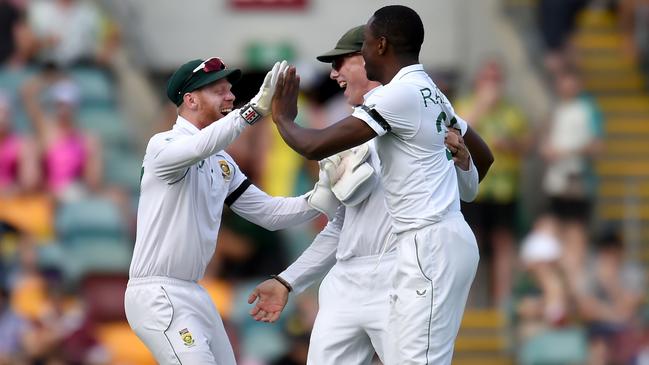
x=426, y=93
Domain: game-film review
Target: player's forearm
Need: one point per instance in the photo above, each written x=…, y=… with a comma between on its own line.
x=480, y=153
x=305, y=141
x=273, y=213
x=467, y=182
x=206, y=142
x=317, y=259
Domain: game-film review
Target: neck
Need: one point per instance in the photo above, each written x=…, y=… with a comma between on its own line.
x=193, y=119
x=395, y=65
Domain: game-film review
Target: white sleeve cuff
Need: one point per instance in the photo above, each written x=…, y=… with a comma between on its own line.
x=362, y=112
x=461, y=124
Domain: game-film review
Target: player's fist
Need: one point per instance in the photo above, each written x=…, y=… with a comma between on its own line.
x=459, y=151
x=270, y=298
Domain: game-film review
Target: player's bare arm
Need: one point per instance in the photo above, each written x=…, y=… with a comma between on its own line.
x=314, y=144
x=480, y=152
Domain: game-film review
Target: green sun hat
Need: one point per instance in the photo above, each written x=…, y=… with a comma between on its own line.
x=350, y=42
x=196, y=74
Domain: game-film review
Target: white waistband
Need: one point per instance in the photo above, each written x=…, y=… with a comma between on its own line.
x=448, y=216
x=362, y=260
x=159, y=280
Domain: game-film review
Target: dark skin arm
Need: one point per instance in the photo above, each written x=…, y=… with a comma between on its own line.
x=316, y=144
x=480, y=152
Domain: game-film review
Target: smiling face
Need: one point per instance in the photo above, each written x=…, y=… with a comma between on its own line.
x=349, y=72
x=211, y=102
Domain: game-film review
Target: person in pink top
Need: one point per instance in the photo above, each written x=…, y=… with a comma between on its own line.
x=71, y=158
x=18, y=171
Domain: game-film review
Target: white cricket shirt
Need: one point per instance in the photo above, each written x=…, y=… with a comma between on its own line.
x=186, y=178
x=411, y=115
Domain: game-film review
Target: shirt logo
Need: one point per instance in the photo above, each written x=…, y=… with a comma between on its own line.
x=421, y=293
x=186, y=336
x=226, y=172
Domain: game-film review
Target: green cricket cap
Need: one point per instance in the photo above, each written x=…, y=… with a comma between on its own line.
x=187, y=78
x=350, y=42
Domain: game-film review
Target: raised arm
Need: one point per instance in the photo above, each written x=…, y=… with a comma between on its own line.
x=314, y=144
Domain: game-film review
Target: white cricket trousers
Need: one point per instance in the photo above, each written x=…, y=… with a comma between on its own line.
x=353, y=315
x=177, y=321
x=435, y=267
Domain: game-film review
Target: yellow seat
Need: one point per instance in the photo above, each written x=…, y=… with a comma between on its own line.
x=124, y=346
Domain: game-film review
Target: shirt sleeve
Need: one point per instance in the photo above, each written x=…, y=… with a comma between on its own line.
x=318, y=258
x=394, y=108
x=173, y=155
x=270, y=212
x=467, y=182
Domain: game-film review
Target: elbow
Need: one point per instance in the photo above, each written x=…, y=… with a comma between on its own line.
x=313, y=152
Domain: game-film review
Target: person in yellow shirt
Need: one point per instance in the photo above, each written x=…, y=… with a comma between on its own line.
x=493, y=214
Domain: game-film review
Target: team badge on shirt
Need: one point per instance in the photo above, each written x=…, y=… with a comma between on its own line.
x=187, y=337
x=225, y=169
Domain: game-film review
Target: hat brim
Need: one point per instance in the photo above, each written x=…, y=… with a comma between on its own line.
x=335, y=53
x=232, y=74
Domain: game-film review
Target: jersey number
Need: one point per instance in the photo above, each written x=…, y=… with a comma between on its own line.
x=441, y=121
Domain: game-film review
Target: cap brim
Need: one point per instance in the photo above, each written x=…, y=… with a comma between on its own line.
x=334, y=53
x=232, y=74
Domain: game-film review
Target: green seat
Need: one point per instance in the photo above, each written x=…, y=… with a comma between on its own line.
x=555, y=347
x=89, y=219
x=95, y=86
x=107, y=124
x=123, y=169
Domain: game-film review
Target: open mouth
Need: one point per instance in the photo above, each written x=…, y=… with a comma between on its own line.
x=342, y=84
x=225, y=111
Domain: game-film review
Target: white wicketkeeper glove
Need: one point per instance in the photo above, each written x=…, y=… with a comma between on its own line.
x=259, y=106
x=321, y=197
x=352, y=178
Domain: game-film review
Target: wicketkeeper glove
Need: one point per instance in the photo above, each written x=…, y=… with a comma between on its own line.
x=259, y=106
x=352, y=178
x=321, y=197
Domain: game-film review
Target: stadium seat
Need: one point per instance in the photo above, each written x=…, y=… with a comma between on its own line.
x=123, y=169
x=90, y=219
x=95, y=86
x=555, y=347
x=107, y=124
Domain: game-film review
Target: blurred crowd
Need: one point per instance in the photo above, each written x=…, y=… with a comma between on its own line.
x=69, y=175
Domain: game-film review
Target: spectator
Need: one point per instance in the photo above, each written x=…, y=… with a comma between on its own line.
x=16, y=38
x=540, y=253
x=12, y=330
x=71, y=158
x=18, y=160
x=570, y=144
x=609, y=301
x=71, y=32
x=634, y=20
x=493, y=214
x=557, y=20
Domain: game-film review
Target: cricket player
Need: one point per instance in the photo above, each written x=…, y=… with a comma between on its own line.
x=354, y=296
x=186, y=179
x=437, y=254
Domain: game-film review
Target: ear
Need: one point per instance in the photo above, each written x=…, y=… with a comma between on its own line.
x=382, y=45
x=189, y=99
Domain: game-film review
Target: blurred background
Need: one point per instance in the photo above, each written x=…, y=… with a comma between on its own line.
x=556, y=87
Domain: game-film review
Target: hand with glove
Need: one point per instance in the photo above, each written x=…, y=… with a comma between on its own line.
x=321, y=197
x=259, y=106
x=352, y=178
